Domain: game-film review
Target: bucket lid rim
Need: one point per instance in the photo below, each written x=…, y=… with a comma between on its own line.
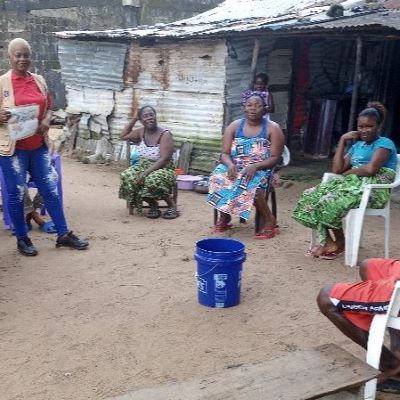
x=221, y=239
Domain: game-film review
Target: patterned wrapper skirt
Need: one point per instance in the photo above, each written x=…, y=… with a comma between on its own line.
x=323, y=206
x=156, y=186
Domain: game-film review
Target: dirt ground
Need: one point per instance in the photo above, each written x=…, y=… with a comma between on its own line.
x=124, y=314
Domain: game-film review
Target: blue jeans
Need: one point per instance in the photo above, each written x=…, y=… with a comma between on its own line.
x=37, y=163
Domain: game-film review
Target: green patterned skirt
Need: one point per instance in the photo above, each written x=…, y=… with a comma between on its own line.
x=156, y=186
x=323, y=206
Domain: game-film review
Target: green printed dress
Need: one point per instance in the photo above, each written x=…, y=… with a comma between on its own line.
x=323, y=206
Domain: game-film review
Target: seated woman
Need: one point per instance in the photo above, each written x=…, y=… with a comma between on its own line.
x=153, y=177
x=370, y=158
x=252, y=146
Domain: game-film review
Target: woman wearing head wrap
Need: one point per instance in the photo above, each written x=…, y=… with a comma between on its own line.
x=19, y=87
x=362, y=157
x=252, y=146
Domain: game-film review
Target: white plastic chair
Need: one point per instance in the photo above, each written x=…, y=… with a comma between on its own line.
x=377, y=335
x=355, y=219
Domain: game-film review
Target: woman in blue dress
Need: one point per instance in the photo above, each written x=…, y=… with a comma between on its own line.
x=252, y=146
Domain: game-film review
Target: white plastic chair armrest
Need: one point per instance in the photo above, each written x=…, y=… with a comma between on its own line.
x=365, y=198
x=394, y=323
x=285, y=157
x=383, y=185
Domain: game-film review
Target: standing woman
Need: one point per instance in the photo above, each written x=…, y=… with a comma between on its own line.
x=251, y=147
x=19, y=87
x=153, y=178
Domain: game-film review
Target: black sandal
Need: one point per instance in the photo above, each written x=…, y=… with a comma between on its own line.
x=171, y=213
x=153, y=213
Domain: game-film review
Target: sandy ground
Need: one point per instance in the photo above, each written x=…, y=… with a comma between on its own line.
x=124, y=314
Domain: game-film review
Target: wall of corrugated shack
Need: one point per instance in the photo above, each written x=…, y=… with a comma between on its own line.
x=271, y=59
x=94, y=76
x=185, y=82
x=332, y=65
x=331, y=74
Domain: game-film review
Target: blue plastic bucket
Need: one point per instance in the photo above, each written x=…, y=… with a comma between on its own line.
x=219, y=271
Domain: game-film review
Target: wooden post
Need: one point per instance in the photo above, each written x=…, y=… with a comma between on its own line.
x=254, y=60
x=356, y=84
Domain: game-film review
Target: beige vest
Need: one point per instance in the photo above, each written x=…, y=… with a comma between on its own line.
x=7, y=146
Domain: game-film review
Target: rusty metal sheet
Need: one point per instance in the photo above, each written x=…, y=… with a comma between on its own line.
x=121, y=114
x=93, y=64
x=186, y=85
x=89, y=100
x=388, y=19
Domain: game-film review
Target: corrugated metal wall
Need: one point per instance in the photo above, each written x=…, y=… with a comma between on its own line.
x=238, y=65
x=331, y=75
x=92, y=64
x=279, y=69
x=94, y=76
x=185, y=82
x=332, y=67
x=276, y=62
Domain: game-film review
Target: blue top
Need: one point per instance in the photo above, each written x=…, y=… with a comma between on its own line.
x=361, y=152
x=263, y=134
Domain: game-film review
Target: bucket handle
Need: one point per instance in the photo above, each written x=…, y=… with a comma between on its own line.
x=206, y=273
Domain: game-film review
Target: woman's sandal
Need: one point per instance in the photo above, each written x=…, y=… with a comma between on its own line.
x=330, y=256
x=268, y=233
x=153, y=213
x=171, y=213
x=221, y=226
x=312, y=252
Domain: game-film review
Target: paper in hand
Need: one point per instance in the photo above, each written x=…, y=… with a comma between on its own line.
x=23, y=121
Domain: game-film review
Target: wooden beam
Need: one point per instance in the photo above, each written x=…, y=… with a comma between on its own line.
x=356, y=84
x=254, y=60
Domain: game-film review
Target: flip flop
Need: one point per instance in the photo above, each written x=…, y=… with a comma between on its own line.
x=153, y=213
x=330, y=256
x=268, y=233
x=171, y=213
x=311, y=252
x=48, y=227
x=222, y=227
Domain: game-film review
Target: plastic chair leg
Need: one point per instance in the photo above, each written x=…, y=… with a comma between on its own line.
x=375, y=343
x=386, y=219
x=274, y=209
x=314, y=239
x=215, y=216
x=354, y=223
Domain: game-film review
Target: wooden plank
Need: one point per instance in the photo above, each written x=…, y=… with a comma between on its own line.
x=184, y=156
x=303, y=375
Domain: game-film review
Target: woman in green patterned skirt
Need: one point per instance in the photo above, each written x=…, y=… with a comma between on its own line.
x=153, y=176
x=362, y=157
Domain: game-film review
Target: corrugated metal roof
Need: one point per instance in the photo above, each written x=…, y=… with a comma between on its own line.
x=233, y=16
x=388, y=19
